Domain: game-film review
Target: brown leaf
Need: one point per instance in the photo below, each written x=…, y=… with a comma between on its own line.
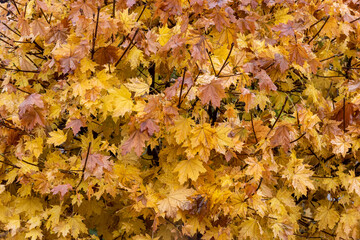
x=31, y=111
x=150, y=126
x=136, y=141
x=338, y=114
x=75, y=124
x=105, y=55
x=282, y=137
x=298, y=54
x=212, y=92
x=265, y=82
x=96, y=164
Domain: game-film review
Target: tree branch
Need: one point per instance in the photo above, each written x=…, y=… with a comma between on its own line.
x=278, y=117
x=95, y=34
x=83, y=170
x=227, y=58
x=319, y=30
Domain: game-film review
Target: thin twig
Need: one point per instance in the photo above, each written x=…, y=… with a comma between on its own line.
x=17, y=9
x=113, y=10
x=278, y=117
x=8, y=163
x=344, y=103
x=187, y=92
x=227, y=58
x=83, y=170
x=319, y=30
x=95, y=34
x=44, y=16
x=127, y=48
x=298, y=138
x=182, y=85
x=212, y=64
x=18, y=70
x=355, y=20
x=252, y=125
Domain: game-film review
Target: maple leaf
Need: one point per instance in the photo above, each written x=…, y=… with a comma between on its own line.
x=76, y=225
x=75, y=124
x=189, y=169
x=181, y=129
x=212, y=92
x=175, y=200
x=96, y=163
x=327, y=217
x=265, y=82
x=136, y=141
x=62, y=189
x=282, y=137
x=150, y=126
x=255, y=168
x=31, y=111
x=346, y=117
x=118, y=101
x=57, y=137
x=138, y=86
x=106, y=55
x=34, y=234
x=298, y=54
x=341, y=145
x=251, y=228
x=299, y=175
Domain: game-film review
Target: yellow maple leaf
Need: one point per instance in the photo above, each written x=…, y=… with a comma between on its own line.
x=76, y=225
x=138, y=86
x=221, y=138
x=181, y=128
x=164, y=35
x=282, y=16
x=62, y=228
x=174, y=200
x=254, y=168
x=299, y=175
x=190, y=168
x=341, y=145
x=35, y=146
x=118, y=101
x=34, y=234
x=326, y=216
x=250, y=228
x=57, y=137
x=203, y=134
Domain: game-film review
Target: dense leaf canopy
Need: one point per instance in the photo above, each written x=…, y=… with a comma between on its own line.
x=179, y=119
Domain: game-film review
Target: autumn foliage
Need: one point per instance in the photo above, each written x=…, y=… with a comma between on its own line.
x=180, y=119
